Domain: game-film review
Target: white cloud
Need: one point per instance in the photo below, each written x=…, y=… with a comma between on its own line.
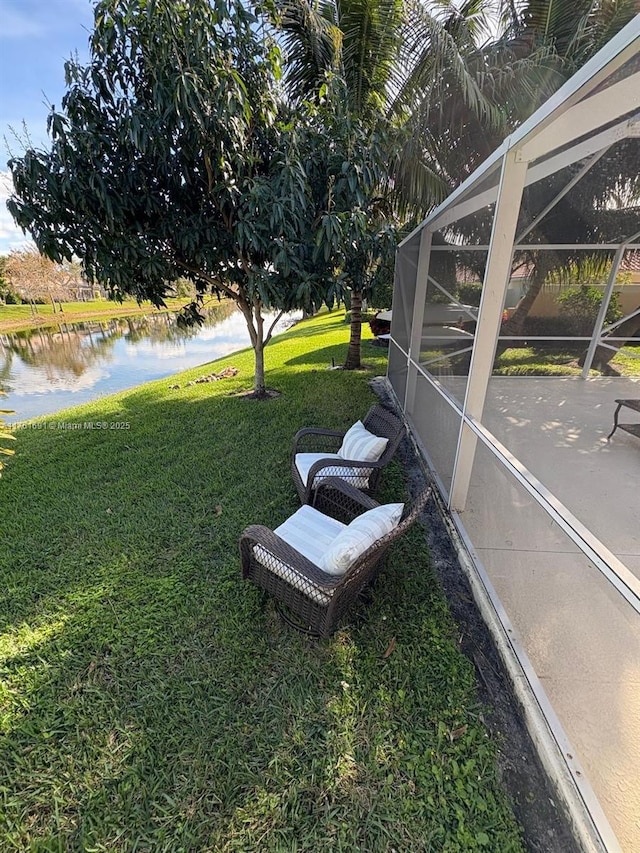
x=11, y=237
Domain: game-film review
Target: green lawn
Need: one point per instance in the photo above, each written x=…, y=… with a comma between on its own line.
x=153, y=701
x=553, y=360
x=14, y=317
x=549, y=360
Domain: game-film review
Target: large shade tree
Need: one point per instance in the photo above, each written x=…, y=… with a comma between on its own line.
x=172, y=156
x=357, y=226
x=436, y=69
x=339, y=56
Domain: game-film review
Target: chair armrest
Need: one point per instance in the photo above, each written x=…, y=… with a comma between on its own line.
x=257, y=534
x=319, y=433
x=341, y=500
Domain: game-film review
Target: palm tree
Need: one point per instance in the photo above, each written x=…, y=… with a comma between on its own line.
x=370, y=45
x=540, y=44
x=450, y=86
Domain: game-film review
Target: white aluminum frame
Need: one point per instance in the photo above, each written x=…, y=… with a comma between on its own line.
x=579, y=123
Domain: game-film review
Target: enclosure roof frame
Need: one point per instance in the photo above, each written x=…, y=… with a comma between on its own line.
x=564, y=119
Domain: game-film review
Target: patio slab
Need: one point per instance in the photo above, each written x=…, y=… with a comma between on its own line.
x=580, y=634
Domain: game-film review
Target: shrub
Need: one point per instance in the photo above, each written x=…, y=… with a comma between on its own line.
x=11, y=298
x=469, y=293
x=580, y=306
x=542, y=327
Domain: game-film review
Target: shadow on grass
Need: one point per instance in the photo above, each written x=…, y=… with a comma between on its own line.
x=304, y=329
x=152, y=699
x=185, y=714
x=335, y=356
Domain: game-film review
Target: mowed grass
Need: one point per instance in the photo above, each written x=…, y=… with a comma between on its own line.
x=559, y=361
x=153, y=701
x=18, y=317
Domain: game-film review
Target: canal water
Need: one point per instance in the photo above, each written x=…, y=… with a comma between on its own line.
x=47, y=369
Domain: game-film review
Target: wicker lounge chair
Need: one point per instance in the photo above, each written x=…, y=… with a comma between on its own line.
x=309, y=469
x=314, y=601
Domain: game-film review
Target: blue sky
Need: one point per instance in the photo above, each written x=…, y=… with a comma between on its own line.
x=36, y=37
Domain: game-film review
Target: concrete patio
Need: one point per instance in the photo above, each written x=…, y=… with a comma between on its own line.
x=579, y=633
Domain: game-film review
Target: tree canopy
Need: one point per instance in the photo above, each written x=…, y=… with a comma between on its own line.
x=181, y=150
x=173, y=156
x=358, y=226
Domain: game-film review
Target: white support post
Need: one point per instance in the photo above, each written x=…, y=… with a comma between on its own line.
x=419, y=299
x=602, y=313
x=496, y=279
x=604, y=305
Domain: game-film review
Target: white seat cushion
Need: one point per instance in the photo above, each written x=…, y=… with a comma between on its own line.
x=311, y=534
x=361, y=534
x=304, y=461
x=361, y=445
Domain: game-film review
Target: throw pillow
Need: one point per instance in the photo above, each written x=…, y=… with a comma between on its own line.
x=361, y=445
x=354, y=540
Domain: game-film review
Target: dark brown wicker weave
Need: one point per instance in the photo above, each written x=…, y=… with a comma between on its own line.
x=378, y=420
x=339, y=500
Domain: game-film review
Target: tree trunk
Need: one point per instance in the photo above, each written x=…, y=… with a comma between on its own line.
x=603, y=355
x=252, y=313
x=258, y=382
x=515, y=324
x=353, y=352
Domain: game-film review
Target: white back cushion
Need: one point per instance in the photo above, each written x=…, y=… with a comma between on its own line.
x=361, y=445
x=358, y=536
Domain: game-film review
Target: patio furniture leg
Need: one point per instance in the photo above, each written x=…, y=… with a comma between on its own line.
x=615, y=421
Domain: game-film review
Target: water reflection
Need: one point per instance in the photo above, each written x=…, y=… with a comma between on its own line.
x=47, y=369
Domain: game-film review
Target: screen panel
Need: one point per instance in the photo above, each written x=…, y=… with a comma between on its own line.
x=581, y=636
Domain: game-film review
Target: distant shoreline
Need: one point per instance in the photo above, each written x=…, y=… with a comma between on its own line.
x=18, y=318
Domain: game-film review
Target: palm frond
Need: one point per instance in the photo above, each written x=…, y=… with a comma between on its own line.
x=312, y=44
x=371, y=40
x=435, y=55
